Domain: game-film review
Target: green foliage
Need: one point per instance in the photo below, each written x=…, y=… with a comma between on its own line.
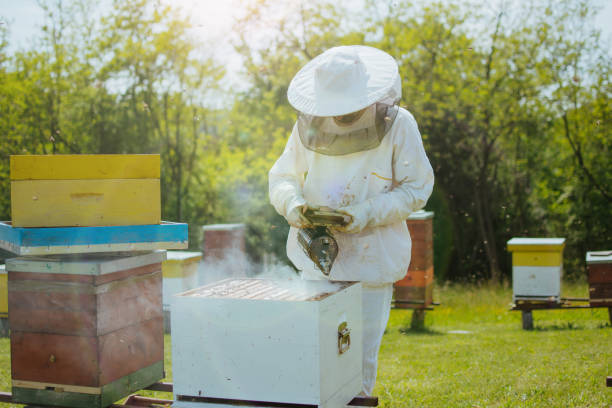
x=482, y=98
x=128, y=82
x=442, y=233
x=513, y=106
x=261, y=119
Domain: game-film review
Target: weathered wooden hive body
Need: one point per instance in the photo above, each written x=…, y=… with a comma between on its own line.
x=86, y=330
x=599, y=266
x=415, y=290
x=223, y=252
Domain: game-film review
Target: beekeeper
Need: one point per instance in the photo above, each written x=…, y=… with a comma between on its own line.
x=355, y=150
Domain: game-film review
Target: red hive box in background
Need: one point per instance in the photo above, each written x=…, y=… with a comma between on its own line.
x=416, y=289
x=223, y=252
x=599, y=265
x=223, y=240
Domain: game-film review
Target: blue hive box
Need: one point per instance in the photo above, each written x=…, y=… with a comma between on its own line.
x=70, y=240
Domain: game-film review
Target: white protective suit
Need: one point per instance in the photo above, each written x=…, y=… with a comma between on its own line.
x=384, y=185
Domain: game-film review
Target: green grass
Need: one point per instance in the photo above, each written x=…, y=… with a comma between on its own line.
x=563, y=362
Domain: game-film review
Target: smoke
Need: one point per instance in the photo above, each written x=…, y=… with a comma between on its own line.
x=231, y=263
x=234, y=263
x=225, y=257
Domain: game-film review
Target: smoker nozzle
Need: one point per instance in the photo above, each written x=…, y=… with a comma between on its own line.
x=320, y=246
x=325, y=266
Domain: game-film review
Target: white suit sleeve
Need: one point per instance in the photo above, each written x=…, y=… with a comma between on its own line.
x=286, y=177
x=413, y=178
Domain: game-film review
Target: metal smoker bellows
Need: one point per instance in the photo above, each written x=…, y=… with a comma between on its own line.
x=318, y=242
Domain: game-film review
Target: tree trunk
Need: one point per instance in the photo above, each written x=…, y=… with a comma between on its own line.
x=483, y=216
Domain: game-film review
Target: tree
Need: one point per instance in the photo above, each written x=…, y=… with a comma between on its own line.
x=478, y=97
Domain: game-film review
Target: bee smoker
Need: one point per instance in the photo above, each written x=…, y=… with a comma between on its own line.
x=317, y=242
x=320, y=246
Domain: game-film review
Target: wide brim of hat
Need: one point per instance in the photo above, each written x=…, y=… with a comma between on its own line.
x=382, y=71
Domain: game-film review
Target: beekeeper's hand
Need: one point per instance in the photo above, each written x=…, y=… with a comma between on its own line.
x=360, y=217
x=296, y=217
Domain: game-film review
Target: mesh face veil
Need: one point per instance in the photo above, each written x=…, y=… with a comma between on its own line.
x=322, y=135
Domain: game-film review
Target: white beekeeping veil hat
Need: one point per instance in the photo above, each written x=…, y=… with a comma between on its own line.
x=343, y=80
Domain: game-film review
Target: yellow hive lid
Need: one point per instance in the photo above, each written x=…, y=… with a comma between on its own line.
x=178, y=257
x=536, y=244
x=85, y=166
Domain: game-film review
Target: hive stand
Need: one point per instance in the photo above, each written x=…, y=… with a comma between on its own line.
x=527, y=307
x=139, y=401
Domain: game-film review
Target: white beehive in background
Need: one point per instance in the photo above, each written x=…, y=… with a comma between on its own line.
x=537, y=268
x=3, y=292
x=180, y=273
x=4, y=327
x=241, y=340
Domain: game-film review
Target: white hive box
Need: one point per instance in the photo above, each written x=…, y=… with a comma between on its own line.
x=4, y=327
x=3, y=292
x=179, y=272
x=248, y=342
x=537, y=268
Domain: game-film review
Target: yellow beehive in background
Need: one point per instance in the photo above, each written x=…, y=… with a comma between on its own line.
x=537, y=268
x=85, y=190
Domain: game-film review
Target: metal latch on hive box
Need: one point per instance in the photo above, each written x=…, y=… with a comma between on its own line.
x=344, y=338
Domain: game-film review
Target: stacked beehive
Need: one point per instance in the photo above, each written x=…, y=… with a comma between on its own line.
x=85, y=304
x=415, y=290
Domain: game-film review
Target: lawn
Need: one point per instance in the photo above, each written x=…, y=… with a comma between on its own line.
x=473, y=353
x=490, y=361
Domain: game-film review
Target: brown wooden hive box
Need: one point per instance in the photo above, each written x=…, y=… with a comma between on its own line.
x=415, y=290
x=86, y=330
x=599, y=266
x=222, y=240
